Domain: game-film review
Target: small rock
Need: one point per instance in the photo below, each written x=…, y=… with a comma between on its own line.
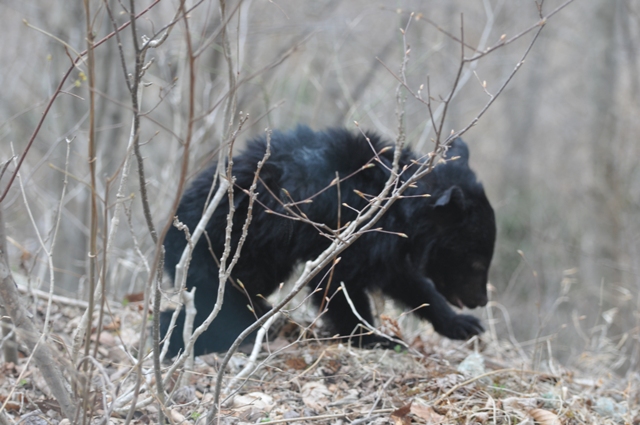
x=551, y=401
x=34, y=418
x=184, y=395
x=606, y=406
x=290, y=414
x=472, y=366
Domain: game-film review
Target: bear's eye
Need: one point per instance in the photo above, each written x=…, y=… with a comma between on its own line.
x=478, y=266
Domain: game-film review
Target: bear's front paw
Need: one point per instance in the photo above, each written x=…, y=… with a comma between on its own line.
x=461, y=326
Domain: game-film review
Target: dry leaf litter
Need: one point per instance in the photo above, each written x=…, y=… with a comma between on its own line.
x=436, y=381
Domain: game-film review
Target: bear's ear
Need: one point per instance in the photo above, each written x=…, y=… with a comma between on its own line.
x=458, y=148
x=450, y=206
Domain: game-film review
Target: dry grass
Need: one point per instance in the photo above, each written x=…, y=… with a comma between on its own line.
x=557, y=154
x=437, y=381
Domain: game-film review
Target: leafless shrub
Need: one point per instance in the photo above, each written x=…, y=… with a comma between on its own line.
x=171, y=60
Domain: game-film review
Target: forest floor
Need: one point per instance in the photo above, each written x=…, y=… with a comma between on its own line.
x=435, y=381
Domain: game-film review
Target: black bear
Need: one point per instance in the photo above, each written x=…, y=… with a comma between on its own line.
x=444, y=258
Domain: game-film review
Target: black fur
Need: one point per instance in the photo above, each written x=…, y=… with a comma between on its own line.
x=446, y=256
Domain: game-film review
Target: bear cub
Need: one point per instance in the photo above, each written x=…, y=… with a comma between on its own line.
x=444, y=258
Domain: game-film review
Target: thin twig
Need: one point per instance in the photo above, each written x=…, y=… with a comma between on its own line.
x=453, y=389
x=332, y=416
x=47, y=250
x=28, y=333
x=158, y=240
x=366, y=324
x=381, y=391
x=93, y=221
x=178, y=195
x=474, y=121
x=250, y=367
x=230, y=109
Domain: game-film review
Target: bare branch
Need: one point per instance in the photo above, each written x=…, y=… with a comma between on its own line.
x=29, y=334
x=368, y=325
x=53, y=98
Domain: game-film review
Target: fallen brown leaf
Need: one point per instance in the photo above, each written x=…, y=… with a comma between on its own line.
x=515, y=403
x=399, y=416
x=12, y=407
x=296, y=363
x=255, y=400
x=544, y=417
x=427, y=413
x=314, y=395
x=405, y=420
x=135, y=297
x=113, y=326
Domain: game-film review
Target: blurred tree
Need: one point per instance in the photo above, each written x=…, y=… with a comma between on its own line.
x=601, y=237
